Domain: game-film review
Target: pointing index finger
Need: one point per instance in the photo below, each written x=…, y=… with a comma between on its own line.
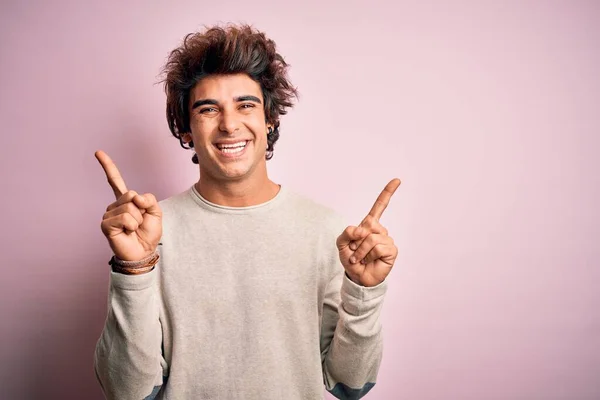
x=115, y=180
x=384, y=199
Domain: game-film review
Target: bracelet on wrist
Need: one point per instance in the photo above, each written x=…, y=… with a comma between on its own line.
x=134, y=267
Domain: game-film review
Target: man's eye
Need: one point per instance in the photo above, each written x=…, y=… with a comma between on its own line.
x=247, y=105
x=207, y=109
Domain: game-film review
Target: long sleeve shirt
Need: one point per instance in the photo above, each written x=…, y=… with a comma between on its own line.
x=245, y=303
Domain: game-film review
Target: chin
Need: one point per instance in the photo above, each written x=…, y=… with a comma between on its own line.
x=231, y=170
x=234, y=175
x=234, y=172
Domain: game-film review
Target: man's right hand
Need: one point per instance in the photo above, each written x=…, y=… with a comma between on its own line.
x=133, y=223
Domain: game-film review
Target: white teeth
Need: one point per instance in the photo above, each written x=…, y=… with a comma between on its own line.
x=236, y=150
x=232, y=148
x=232, y=145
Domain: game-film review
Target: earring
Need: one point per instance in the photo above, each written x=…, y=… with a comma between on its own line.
x=270, y=130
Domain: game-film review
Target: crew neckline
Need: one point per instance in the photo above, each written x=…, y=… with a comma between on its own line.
x=197, y=197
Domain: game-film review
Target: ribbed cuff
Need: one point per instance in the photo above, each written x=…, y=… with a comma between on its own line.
x=363, y=293
x=133, y=282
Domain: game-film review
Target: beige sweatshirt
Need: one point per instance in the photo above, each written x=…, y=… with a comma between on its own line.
x=245, y=303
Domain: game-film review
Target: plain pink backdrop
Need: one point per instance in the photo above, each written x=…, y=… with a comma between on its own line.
x=489, y=112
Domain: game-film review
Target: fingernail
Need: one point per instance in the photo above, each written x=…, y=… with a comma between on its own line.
x=353, y=260
x=353, y=246
x=363, y=261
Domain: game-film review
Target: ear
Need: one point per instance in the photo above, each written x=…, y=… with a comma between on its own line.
x=186, y=138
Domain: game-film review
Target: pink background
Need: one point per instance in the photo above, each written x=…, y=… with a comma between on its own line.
x=488, y=111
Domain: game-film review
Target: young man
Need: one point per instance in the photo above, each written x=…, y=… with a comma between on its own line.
x=237, y=288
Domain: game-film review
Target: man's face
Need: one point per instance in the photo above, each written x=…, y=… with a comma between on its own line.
x=227, y=120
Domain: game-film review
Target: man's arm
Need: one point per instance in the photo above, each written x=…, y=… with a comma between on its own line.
x=128, y=358
x=351, y=339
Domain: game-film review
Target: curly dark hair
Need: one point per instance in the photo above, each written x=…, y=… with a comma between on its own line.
x=226, y=50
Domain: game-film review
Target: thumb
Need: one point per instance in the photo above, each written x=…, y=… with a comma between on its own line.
x=149, y=203
x=351, y=234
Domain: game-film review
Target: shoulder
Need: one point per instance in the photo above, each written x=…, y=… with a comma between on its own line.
x=314, y=213
x=176, y=204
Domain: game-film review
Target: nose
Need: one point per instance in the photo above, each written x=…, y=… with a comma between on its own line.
x=229, y=122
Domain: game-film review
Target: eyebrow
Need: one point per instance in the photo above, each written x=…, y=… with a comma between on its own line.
x=238, y=99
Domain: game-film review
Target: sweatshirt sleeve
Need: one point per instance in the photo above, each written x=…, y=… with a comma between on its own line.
x=128, y=358
x=351, y=338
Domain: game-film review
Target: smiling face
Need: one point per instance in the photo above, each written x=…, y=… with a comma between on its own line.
x=228, y=127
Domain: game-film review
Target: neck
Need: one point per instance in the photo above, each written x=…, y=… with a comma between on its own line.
x=243, y=192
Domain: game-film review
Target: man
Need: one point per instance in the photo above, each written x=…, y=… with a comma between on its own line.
x=237, y=288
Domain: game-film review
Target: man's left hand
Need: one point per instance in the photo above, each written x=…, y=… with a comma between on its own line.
x=366, y=251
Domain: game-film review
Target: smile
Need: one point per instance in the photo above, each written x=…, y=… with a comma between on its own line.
x=232, y=148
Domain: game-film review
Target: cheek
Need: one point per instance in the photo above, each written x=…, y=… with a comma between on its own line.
x=201, y=130
x=260, y=129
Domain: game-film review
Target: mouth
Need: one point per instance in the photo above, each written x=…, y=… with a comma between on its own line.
x=232, y=149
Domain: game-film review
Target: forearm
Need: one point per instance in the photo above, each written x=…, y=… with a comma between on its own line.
x=352, y=360
x=128, y=354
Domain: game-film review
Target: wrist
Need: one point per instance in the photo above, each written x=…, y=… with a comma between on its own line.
x=135, y=263
x=353, y=280
x=142, y=266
